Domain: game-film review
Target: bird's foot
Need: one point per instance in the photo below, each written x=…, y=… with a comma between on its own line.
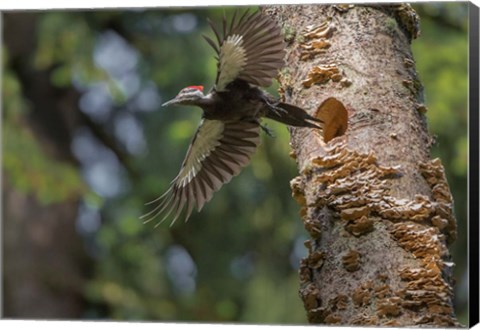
x=277, y=109
x=267, y=130
x=274, y=106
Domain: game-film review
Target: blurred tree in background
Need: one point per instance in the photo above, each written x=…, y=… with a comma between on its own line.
x=86, y=144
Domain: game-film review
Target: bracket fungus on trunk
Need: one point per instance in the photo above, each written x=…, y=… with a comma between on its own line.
x=356, y=189
x=378, y=211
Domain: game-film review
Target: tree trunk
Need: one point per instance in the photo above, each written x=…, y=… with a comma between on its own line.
x=45, y=264
x=44, y=258
x=377, y=208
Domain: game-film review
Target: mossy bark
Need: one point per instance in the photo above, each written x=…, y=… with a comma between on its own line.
x=377, y=208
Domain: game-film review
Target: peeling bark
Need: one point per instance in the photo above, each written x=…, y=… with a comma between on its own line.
x=377, y=208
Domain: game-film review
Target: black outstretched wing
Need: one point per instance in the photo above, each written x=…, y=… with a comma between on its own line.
x=250, y=48
x=218, y=152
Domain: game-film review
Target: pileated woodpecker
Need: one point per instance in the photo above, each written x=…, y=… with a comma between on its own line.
x=250, y=52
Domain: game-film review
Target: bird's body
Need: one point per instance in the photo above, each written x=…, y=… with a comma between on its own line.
x=249, y=54
x=238, y=102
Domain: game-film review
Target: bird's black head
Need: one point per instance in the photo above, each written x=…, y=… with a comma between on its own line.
x=190, y=95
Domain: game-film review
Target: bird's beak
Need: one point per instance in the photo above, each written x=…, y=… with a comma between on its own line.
x=172, y=101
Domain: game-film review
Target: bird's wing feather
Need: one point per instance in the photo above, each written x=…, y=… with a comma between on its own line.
x=218, y=152
x=251, y=48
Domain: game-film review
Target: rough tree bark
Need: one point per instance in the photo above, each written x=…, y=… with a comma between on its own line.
x=377, y=208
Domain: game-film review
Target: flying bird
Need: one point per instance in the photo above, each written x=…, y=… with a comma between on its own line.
x=249, y=53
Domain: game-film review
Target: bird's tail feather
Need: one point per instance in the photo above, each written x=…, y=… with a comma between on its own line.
x=291, y=115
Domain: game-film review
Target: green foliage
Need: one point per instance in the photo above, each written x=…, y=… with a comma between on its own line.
x=65, y=48
x=31, y=171
x=13, y=103
x=26, y=165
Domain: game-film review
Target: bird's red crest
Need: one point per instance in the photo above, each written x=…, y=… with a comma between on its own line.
x=199, y=87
